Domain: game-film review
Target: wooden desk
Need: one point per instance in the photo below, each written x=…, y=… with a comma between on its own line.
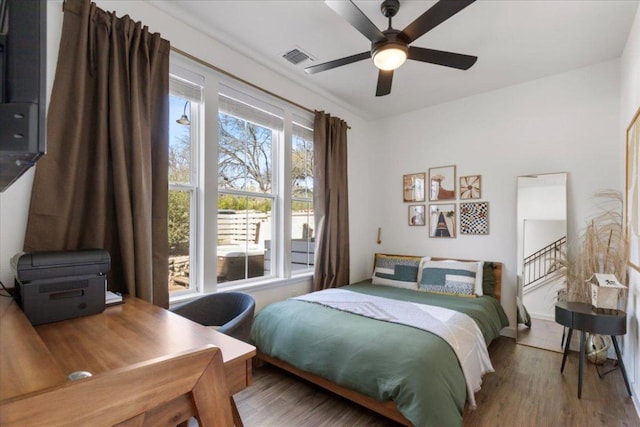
x=581, y=316
x=40, y=357
x=25, y=363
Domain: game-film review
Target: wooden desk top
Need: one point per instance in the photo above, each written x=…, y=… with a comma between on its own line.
x=22, y=351
x=120, y=336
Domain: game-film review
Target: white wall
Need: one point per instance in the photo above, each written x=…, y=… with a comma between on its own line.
x=629, y=104
x=563, y=123
x=14, y=201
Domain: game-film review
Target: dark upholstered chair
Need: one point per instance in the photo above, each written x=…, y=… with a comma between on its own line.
x=232, y=312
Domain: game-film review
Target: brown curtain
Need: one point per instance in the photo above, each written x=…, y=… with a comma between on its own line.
x=103, y=182
x=331, y=200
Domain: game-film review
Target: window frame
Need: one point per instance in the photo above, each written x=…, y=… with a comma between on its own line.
x=308, y=124
x=204, y=219
x=192, y=187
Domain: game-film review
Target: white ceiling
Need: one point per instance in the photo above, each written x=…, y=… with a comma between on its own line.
x=515, y=41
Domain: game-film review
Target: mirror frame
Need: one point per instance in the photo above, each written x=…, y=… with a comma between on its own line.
x=550, y=222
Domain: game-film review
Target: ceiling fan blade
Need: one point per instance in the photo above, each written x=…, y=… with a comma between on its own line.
x=439, y=57
x=384, y=82
x=337, y=62
x=433, y=17
x=353, y=15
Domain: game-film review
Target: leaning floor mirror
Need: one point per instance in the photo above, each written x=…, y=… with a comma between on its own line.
x=541, y=243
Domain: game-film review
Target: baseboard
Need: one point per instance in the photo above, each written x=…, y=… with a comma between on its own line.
x=542, y=316
x=509, y=332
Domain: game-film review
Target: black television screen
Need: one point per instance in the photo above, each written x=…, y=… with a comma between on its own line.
x=23, y=33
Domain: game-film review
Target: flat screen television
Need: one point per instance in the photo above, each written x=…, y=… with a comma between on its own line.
x=23, y=33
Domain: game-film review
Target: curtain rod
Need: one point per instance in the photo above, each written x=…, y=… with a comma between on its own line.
x=228, y=74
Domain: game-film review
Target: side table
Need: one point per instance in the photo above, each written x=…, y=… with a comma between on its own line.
x=581, y=316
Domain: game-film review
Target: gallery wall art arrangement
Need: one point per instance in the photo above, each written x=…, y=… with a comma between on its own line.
x=444, y=216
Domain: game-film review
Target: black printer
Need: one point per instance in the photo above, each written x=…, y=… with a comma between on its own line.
x=60, y=285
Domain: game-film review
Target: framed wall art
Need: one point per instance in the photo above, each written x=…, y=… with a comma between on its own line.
x=470, y=187
x=474, y=218
x=442, y=183
x=413, y=187
x=417, y=215
x=442, y=220
x=632, y=191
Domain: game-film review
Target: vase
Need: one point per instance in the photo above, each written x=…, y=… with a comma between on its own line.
x=596, y=348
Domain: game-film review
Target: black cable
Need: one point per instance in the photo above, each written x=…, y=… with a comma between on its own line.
x=6, y=290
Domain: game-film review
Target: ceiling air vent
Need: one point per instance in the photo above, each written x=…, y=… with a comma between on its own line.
x=296, y=56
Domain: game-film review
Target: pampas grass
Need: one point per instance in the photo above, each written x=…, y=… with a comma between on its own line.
x=602, y=247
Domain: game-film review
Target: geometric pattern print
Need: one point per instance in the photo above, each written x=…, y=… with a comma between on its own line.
x=461, y=285
x=391, y=261
x=474, y=218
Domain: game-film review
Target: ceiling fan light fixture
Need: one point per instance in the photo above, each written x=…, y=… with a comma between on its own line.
x=390, y=56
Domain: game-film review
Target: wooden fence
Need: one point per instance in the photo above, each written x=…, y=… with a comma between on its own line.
x=240, y=226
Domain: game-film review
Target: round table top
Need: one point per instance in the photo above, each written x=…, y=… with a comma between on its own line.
x=586, y=308
x=582, y=316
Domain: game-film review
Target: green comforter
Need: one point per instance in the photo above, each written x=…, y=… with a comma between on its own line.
x=416, y=369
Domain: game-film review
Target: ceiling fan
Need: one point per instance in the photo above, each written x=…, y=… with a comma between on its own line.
x=390, y=48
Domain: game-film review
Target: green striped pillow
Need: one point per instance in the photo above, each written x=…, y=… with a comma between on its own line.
x=432, y=277
x=397, y=271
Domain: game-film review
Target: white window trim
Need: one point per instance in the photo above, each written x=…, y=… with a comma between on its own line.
x=180, y=73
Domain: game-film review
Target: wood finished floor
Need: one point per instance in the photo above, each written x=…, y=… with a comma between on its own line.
x=527, y=389
x=546, y=334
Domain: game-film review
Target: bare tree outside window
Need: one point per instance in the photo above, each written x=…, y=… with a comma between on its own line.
x=244, y=156
x=245, y=159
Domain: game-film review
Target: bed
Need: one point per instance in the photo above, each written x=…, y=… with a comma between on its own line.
x=402, y=372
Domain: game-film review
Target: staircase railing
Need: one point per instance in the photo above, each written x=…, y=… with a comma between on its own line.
x=544, y=262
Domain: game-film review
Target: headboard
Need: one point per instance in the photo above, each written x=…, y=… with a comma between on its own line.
x=497, y=270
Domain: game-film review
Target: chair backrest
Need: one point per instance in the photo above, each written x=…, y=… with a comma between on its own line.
x=240, y=326
x=231, y=311
x=155, y=392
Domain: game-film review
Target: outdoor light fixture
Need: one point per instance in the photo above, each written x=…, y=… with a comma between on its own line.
x=184, y=120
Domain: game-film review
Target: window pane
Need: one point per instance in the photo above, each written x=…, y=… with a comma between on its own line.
x=302, y=235
x=301, y=167
x=179, y=240
x=179, y=140
x=244, y=231
x=245, y=155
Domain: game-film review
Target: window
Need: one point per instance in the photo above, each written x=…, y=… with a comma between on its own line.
x=255, y=222
x=302, y=219
x=249, y=134
x=184, y=102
